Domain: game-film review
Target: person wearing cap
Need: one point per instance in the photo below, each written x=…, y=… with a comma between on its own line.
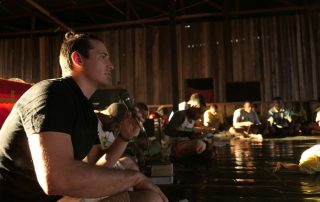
x=109, y=152
x=182, y=127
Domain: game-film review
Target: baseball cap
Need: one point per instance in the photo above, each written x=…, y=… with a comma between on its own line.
x=116, y=110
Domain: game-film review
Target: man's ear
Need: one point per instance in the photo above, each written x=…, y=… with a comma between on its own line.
x=76, y=59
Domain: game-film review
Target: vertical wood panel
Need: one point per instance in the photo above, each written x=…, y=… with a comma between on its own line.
x=281, y=52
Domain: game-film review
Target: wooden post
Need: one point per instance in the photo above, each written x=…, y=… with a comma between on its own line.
x=174, y=62
x=227, y=48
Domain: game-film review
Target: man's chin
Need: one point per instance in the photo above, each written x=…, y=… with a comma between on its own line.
x=104, y=85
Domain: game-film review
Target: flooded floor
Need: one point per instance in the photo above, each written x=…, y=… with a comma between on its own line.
x=242, y=171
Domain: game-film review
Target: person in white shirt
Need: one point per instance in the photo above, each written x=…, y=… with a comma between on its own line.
x=244, y=120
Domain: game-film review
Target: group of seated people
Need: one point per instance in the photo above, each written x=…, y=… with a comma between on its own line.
x=191, y=124
x=193, y=121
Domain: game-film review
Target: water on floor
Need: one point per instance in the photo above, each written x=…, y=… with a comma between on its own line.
x=242, y=171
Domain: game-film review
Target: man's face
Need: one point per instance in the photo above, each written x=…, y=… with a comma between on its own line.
x=247, y=107
x=213, y=110
x=277, y=104
x=98, y=67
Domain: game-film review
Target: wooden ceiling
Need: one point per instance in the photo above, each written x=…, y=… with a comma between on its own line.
x=38, y=17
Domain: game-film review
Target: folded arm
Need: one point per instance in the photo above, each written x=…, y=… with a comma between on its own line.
x=59, y=174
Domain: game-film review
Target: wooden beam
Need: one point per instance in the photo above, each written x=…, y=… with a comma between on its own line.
x=166, y=19
x=115, y=8
x=49, y=15
x=88, y=5
x=150, y=6
x=11, y=27
x=215, y=5
x=174, y=56
x=134, y=11
x=74, y=2
x=286, y=2
x=104, y=17
x=191, y=6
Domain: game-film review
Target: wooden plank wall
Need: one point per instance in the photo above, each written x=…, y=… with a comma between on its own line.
x=282, y=52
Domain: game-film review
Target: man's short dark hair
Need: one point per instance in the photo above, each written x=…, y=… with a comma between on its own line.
x=79, y=42
x=214, y=106
x=197, y=97
x=277, y=98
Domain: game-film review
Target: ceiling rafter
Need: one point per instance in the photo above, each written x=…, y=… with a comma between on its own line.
x=74, y=2
x=191, y=6
x=115, y=8
x=103, y=17
x=150, y=6
x=88, y=5
x=49, y=15
x=215, y=5
x=29, y=10
x=134, y=11
x=287, y=2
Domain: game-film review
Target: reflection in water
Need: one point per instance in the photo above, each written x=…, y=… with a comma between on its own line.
x=290, y=150
x=242, y=169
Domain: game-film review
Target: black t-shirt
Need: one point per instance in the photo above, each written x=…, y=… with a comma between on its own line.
x=51, y=105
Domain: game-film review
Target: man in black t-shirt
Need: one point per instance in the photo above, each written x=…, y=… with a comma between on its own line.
x=52, y=128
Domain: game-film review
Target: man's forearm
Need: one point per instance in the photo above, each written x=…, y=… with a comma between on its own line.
x=113, y=153
x=84, y=180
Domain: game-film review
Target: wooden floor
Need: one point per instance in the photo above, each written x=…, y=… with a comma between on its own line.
x=242, y=171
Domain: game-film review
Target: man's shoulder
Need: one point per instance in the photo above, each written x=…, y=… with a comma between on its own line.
x=272, y=110
x=50, y=84
x=207, y=112
x=238, y=111
x=44, y=90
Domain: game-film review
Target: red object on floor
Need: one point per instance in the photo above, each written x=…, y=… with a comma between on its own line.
x=10, y=92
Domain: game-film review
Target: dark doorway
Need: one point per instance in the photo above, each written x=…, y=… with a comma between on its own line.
x=243, y=91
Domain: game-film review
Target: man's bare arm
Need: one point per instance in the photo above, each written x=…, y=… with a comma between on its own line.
x=59, y=174
x=113, y=153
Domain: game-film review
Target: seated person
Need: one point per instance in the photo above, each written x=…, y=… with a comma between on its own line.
x=109, y=151
x=245, y=121
x=53, y=127
x=194, y=98
x=161, y=113
x=315, y=127
x=309, y=162
x=182, y=127
x=279, y=119
x=299, y=118
x=144, y=146
x=255, y=108
x=213, y=118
